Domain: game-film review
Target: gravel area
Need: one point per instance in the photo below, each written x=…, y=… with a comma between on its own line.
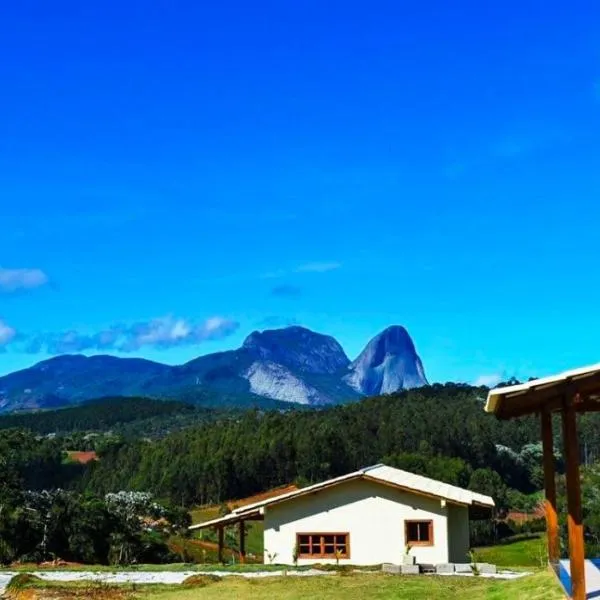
x=168, y=577
x=498, y=575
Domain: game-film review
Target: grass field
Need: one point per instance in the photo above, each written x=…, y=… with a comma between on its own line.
x=518, y=551
x=540, y=586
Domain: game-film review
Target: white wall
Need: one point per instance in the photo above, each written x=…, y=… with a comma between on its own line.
x=373, y=515
x=458, y=533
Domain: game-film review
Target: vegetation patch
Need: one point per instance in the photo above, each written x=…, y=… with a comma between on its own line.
x=23, y=581
x=522, y=551
x=201, y=580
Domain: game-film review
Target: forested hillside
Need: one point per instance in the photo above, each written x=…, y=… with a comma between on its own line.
x=440, y=431
x=97, y=415
x=441, y=427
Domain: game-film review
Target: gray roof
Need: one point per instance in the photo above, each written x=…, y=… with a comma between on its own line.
x=378, y=473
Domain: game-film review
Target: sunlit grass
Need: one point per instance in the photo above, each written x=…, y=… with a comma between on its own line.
x=356, y=586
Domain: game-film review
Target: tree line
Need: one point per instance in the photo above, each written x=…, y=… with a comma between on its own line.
x=441, y=427
x=440, y=431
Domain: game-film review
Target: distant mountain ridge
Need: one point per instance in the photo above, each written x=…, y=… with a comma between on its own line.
x=292, y=364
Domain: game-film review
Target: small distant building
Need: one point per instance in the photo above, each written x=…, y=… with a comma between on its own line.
x=364, y=518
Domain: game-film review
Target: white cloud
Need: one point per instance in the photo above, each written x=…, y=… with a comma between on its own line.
x=166, y=330
x=163, y=332
x=14, y=280
x=7, y=333
x=488, y=380
x=216, y=324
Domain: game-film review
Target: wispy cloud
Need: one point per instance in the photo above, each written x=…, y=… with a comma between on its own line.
x=488, y=380
x=311, y=267
x=286, y=290
x=15, y=280
x=7, y=334
x=516, y=142
x=162, y=333
x=318, y=267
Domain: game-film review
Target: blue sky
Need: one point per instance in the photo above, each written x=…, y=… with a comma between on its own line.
x=175, y=175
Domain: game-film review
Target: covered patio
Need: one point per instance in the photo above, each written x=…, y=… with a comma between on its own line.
x=237, y=517
x=567, y=395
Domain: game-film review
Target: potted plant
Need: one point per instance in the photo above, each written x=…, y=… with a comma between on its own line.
x=408, y=559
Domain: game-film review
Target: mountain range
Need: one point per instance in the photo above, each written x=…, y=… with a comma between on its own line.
x=293, y=364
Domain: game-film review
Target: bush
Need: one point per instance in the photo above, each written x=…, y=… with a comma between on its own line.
x=483, y=533
x=487, y=533
x=22, y=581
x=201, y=580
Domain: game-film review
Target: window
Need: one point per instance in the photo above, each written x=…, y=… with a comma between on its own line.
x=418, y=533
x=323, y=545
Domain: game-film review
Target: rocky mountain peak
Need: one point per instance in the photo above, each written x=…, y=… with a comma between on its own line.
x=298, y=347
x=388, y=363
x=393, y=340
x=293, y=364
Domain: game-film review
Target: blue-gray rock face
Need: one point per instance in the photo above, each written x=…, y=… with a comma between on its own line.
x=389, y=363
x=292, y=365
x=298, y=348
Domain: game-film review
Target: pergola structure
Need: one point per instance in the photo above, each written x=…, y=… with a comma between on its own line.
x=568, y=394
x=239, y=517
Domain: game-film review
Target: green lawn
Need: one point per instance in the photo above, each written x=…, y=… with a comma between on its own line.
x=523, y=552
x=540, y=586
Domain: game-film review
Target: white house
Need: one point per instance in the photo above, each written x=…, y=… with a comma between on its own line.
x=364, y=518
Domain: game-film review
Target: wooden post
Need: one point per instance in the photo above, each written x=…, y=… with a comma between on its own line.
x=242, y=542
x=550, y=488
x=574, y=518
x=220, y=554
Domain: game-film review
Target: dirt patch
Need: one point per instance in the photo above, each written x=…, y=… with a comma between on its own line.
x=286, y=489
x=62, y=592
x=53, y=564
x=82, y=457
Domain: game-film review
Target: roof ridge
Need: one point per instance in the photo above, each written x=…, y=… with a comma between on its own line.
x=370, y=468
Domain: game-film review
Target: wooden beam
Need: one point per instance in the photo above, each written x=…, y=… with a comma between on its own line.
x=588, y=406
x=220, y=548
x=549, y=404
x=550, y=488
x=242, y=542
x=549, y=398
x=574, y=518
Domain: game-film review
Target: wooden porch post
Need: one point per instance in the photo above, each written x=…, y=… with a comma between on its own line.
x=220, y=549
x=550, y=488
x=242, y=542
x=574, y=518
